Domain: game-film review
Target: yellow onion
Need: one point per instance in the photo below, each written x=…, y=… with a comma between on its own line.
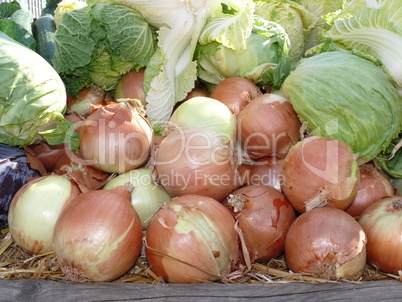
x=268, y=126
x=382, y=224
x=267, y=171
x=131, y=85
x=146, y=196
x=236, y=93
x=116, y=138
x=195, y=161
x=98, y=236
x=326, y=243
x=88, y=99
x=192, y=239
x=320, y=171
x=264, y=216
x=207, y=113
x=35, y=209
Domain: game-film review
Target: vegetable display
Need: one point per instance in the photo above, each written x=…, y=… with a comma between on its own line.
x=186, y=141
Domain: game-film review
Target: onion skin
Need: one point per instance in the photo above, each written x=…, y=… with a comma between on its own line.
x=320, y=171
x=382, y=224
x=177, y=248
x=98, y=237
x=116, y=138
x=35, y=209
x=236, y=93
x=131, y=86
x=49, y=155
x=268, y=126
x=264, y=216
x=326, y=243
x=373, y=185
x=195, y=161
x=267, y=171
x=89, y=98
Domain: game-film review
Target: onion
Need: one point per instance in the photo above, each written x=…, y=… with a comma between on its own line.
x=89, y=98
x=268, y=126
x=98, y=236
x=49, y=155
x=236, y=93
x=382, y=224
x=195, y=161
x=116, y=138
x=207, y=113
x=320, y=171
x=146, y=196
x=86, y=176
x=34, y=210
x=373, y=186
x=131, y=85
x=264, y=216
x=326, y=243
x=192, y=239
x=267, y=171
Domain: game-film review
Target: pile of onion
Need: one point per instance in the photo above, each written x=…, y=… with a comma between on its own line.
x=382, y=224
x=192, y=239
x=116, y=138
x=326, y=243
x=35, y=209
x=146, y=196
x=320, y=171
x=195, y=161
x=268, y=126
x=373, y=185
x=264, y=216
x=236, y=93
x=98, y=236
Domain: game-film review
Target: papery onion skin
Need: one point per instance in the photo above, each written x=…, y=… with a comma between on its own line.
x=48, y=154
x=131, y=85
x=98, y=237
x=195, y=161
x=268, y=126
x=382, y=223
x=207, y=113
x=146, y=196
x=192, y=239
x=326, y=243
x=115, y=138
x=373, y=185
x=35, y=209
x=236, y=93
x=320, y=171
x=89, y=98
x=264, y=215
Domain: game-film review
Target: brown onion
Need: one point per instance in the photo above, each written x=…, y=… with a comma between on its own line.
x=98, y=236
x=320, y=171
x=268, y=126
x=131, y=85
x=195, y=161
x=116, y=138
x=89, y=98
x=326, y=243
x=192, y=239
x=267, y=171
x=264, y=216
x=236, y=93
x=382, y=224
x=373, y=186
x=49, y=155
x=35, y=209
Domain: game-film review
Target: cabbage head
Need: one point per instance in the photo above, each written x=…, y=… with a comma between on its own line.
x=346, y=97
x=265, y=61
x=32, y=94
x=99, y=43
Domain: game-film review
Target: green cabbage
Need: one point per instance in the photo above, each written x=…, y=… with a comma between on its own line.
x=265, y=61
x=32, y=94
x=346, y=97
x=99, y=43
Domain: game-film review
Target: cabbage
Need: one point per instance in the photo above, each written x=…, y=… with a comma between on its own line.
x=31, y=93
x=346, y=97
x=66, y=6
x=295, y=19
x=99, y=43
x=265, y=61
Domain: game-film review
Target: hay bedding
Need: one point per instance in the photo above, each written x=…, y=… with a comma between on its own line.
x=17, y=265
